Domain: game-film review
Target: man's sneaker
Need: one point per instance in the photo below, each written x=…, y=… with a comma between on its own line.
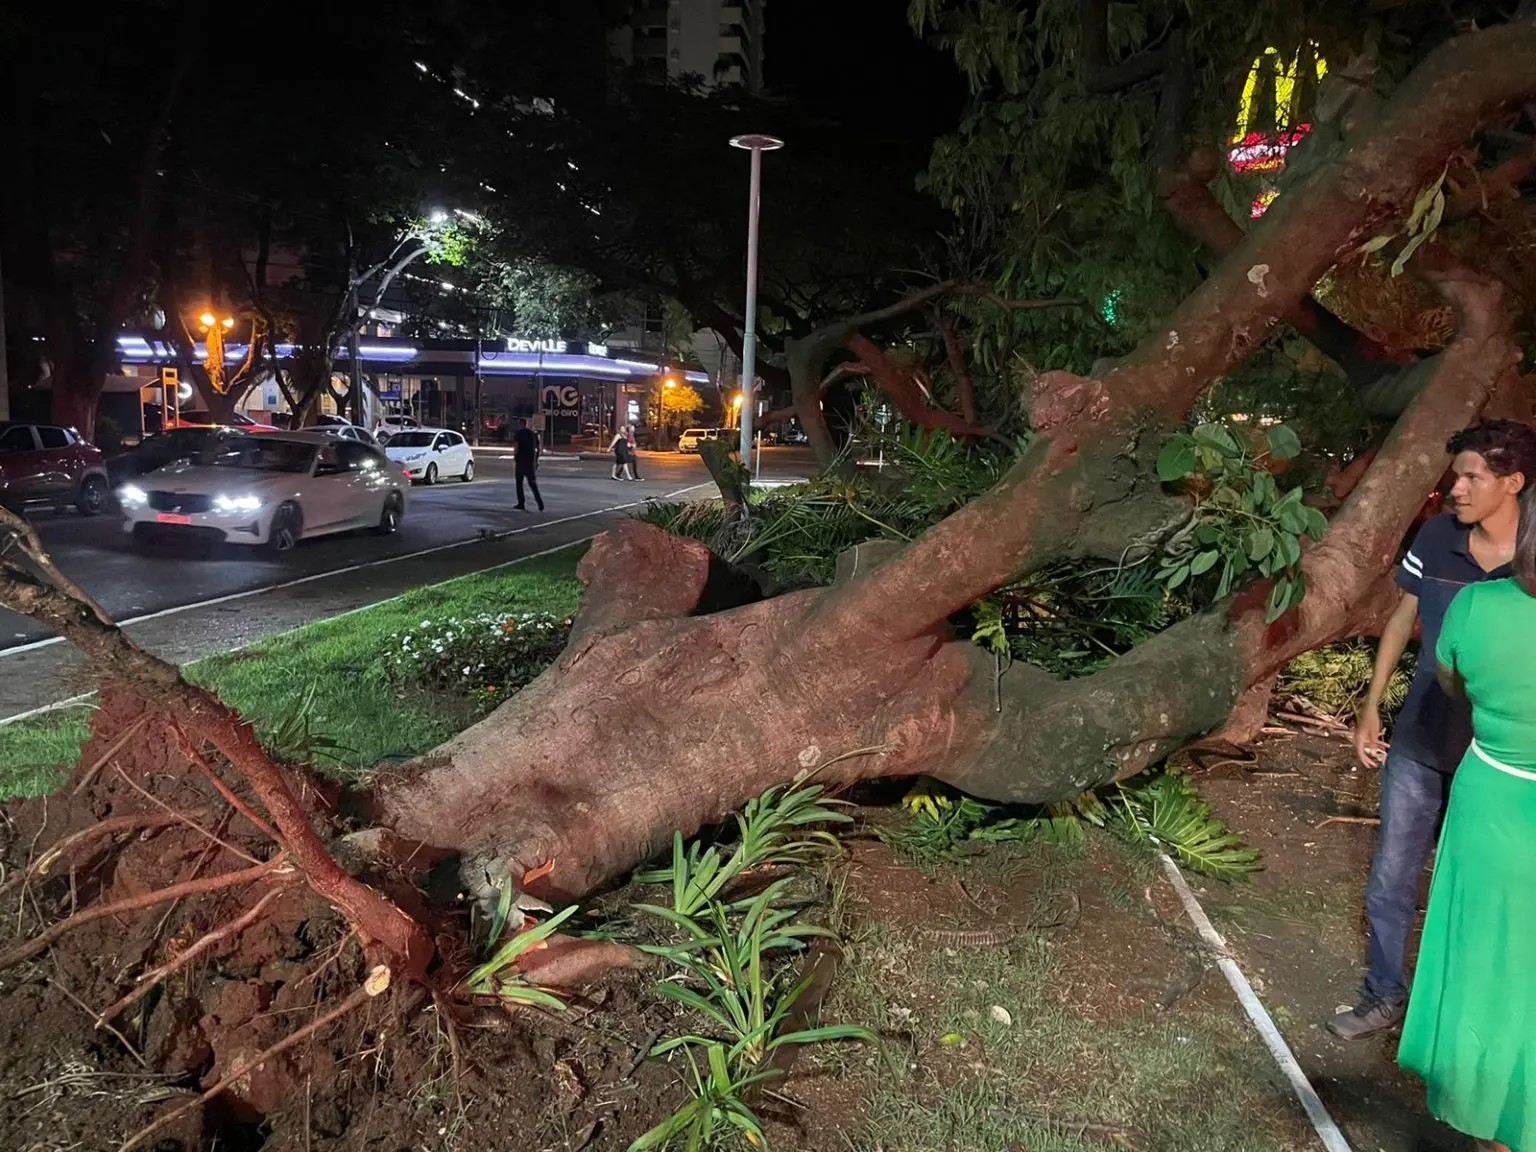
x=1372, y=1015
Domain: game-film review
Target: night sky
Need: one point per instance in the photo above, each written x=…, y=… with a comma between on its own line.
x=861, y=65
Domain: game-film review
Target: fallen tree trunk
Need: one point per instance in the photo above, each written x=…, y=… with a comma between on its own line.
x=658, y=718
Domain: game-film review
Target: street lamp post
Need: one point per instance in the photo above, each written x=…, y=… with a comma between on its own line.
x=757, y=145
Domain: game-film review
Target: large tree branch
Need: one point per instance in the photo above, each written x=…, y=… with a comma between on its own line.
x=1098, y=74
x=1084, y=425
x=1184, y=682
x=1186, y=192
x=900, y=384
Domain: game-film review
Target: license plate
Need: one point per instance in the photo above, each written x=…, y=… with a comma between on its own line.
x=171, y=518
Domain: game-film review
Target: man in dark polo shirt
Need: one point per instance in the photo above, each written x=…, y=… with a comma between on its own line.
x=525, y=461
x=1474, y=541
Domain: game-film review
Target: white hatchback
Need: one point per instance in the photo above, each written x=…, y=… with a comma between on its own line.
x=432, y=454
x=690, y=440
x=271, y=488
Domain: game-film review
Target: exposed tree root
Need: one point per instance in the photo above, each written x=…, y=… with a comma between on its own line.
x=103, y=830
x=43, y=940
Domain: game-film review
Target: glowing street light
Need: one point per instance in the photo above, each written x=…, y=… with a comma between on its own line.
x=214, y=326
x=756, y=144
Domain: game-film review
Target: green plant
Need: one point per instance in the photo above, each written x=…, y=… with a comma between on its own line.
x=486, y=656
x=1166, y=812
x=731, y=957
x=496, y=977
x=1243, y=523
x=1160, y=807
x=774, y=829
x=295, y=737
x=1335, y=678
x=1072, y=620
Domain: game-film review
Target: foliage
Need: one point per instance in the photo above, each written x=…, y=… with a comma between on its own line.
x=1073, y=619
x=732, y=953
x=775, y=829
x=797, y=532
x=298, y=737
x=1161, y=808
x=1243, y=523
x=1423, y=221
x=1336, y=678
x=679, y=403
x=1167, y=813
x=497, y=975
x=489, y=655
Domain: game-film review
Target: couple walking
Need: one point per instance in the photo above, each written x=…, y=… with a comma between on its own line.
x=626, y=457
x=1463, y=750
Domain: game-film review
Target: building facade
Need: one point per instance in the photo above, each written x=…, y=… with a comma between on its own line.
x=720, y=41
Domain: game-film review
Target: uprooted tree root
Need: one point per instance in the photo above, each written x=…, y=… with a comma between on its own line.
x=224, y=1000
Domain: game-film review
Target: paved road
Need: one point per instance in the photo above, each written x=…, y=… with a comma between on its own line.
x=186, y=602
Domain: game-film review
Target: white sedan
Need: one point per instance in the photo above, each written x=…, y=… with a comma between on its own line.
x=269, y=489
x=432, y=454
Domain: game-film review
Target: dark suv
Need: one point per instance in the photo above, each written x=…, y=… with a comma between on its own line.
x=46, y=464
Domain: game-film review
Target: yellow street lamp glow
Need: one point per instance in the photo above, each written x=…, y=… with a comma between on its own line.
x=736, y=401
x=669, y=383
x=228, y=322
x=207, y=319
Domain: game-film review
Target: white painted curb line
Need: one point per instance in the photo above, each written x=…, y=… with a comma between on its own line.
x=1328, y=1131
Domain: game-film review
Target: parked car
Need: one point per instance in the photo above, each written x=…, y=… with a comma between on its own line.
x=431, y=454
x=273, y=489
x=46, y=464
x=345, y=432
x=389, y=425
x=186, y=442
x=690, y=440
x=236, y=420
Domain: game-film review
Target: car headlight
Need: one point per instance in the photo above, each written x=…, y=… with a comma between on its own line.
x=132, y=496
x=223, y=503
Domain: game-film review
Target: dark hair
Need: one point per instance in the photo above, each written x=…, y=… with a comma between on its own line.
x=1525, y=542
x=1507, y=445
x=522, y=421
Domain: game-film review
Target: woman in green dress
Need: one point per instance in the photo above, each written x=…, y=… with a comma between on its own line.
x=1471, y=1025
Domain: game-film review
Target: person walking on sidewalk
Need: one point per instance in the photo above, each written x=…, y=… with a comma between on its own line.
x=1473, y=543
x=1471, y=1026
x=634, y=452
x=525, y=459
x=623, y=469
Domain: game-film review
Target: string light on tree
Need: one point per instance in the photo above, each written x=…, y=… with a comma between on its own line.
x=214, y=327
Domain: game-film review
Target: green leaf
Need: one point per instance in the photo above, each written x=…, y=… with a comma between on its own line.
x=1261, y=542
x=1375, y=243
x=1177, y=459
x=1317, y=523
x=1180, y=574
x=1227, y=573
x=1293, y=518
x=1203, y=563
x=1219, y=437
x=1279, y=600
x=1284, y=444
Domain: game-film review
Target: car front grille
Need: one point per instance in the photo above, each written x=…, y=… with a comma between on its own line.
x=179, y=502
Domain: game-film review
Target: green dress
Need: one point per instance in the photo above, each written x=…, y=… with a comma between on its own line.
x=1471, y=1026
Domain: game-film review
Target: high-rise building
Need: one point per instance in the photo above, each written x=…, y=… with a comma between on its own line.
x=718, y=41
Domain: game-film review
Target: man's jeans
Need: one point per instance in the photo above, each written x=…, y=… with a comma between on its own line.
x=1413, y=797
